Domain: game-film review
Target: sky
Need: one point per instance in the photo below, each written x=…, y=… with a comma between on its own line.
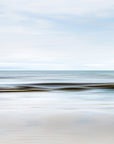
x=57, y=34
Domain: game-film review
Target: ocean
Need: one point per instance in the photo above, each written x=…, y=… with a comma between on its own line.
x=56, y=107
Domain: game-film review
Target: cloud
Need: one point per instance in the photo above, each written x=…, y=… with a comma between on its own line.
x=80, y=7
x=60, y=34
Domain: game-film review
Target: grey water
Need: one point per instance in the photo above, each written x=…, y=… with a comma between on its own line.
x=8, y=77
x=60, y=107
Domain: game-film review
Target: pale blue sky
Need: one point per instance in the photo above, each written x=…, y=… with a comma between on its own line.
x=57, y=35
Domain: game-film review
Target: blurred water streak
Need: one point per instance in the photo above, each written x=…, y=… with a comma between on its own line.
x=59, y=117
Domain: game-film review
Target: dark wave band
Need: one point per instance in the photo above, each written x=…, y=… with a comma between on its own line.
x=54, y=87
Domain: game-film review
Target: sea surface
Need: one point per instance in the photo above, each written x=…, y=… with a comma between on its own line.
x=56, y=107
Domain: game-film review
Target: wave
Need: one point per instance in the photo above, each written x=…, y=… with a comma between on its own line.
x=32, y=87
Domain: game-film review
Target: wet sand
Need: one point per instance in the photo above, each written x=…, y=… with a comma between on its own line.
x=54, y=118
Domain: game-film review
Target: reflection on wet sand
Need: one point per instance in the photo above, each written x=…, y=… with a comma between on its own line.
x=55, y=118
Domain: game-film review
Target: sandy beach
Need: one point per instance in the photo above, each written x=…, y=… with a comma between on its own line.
x=47, y=118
